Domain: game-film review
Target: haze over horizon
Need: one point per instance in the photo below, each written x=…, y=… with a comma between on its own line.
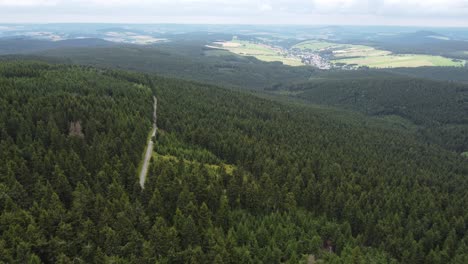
x=305, y=12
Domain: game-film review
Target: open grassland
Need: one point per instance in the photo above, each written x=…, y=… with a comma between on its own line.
x=359, y=55
x=341, y=50
x=393, y=61
x=362, y=55
x=359, y=51
x=317, y=45
x=212, y=168
x=260, y=51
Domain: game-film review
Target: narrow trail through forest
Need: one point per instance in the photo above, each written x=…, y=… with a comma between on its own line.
x=149, y=148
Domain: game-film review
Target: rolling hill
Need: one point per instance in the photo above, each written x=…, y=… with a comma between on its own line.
x=25, y=45
x=234, y=178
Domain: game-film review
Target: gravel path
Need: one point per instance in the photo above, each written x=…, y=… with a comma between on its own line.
x=149, y=149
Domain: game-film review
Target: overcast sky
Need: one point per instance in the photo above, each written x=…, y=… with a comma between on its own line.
x=309, y=12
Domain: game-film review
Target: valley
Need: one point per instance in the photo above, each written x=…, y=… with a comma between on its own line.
x=262, y=52
x=326, y=55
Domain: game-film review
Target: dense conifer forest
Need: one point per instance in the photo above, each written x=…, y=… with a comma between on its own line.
x=186, y=60
x=436, y=110
x=233, y=179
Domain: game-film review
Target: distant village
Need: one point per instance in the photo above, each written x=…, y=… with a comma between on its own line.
x=316, y=60
x=319, y=59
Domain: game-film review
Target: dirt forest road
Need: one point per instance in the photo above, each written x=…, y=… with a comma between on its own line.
x=149, y=148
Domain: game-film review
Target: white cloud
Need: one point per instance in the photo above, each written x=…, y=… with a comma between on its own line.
x=393, y=7
x=279, y=11
x=265, y=7
x=426, y=7
x=333, y=5
x=28, y=3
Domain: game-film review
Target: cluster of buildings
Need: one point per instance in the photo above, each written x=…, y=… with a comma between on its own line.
x=316, y=60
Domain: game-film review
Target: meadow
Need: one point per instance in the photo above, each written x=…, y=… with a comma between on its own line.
x=404, y=60
x=361, y=55
x=352, y=51
x=260, y=51
x=317, y=45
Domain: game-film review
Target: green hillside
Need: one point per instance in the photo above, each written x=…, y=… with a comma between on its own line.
x=438, y=111
x=235, y=178
x=190, y=61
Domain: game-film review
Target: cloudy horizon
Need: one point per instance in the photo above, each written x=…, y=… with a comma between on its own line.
x=303, y=12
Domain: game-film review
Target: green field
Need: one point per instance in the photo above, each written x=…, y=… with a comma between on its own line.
x=341, y=50
x=260, y=51
x=393, y=61
x=359, y=51
x=316, y=45
x=465, y=154
x=361, y=55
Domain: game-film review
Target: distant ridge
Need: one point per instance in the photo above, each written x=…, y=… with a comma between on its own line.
x=24, y=45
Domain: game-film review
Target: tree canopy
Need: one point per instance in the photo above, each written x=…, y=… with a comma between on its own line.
x=233, y=179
